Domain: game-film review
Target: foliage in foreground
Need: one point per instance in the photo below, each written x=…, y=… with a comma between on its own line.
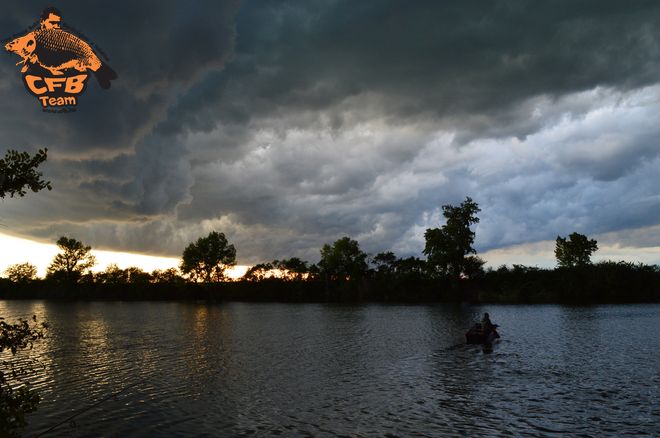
x=16, y=397
x=18, y=173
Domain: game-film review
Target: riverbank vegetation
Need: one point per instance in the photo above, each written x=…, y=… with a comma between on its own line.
x=451, y=272
x=408, y=282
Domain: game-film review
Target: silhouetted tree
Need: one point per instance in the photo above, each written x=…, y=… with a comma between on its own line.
x=18, y=173
x=167, y=276
x=291, y=269
x=574, y=251
x=21, y=272
x=208, y=258
x=258, y=272
x=473, y=266
x=113, y=274
x=411, y=267
x=137, y=275
x=385, y=263
x=343, y=260
x=313, y=272
x=72, y=262
x=447, y=247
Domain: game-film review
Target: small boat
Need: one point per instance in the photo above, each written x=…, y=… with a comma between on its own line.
x=477, y=335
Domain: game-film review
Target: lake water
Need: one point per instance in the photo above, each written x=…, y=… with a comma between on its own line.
x=238, y=369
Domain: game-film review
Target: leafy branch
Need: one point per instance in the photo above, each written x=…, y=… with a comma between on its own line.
x=18, y=173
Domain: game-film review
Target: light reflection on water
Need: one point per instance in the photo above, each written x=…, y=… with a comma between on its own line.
x=326, y=370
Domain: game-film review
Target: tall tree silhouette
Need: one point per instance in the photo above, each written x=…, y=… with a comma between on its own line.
x=574, y=251
x=74, y=260
x=208, y=258
x=343, y=260
x=447, y=248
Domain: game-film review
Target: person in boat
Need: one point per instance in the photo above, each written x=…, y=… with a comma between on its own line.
x=486, y=325
x=483, y=332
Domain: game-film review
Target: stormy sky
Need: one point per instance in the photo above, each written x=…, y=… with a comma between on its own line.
x=289, y=124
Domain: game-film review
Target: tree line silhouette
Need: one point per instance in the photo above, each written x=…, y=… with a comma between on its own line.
x=452, y=271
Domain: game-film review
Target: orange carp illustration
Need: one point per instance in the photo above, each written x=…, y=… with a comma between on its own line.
x=56, y=50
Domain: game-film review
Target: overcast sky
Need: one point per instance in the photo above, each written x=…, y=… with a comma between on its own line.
x=287, y=125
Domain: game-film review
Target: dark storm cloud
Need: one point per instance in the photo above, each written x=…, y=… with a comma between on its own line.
x=104, y=153
x=158, y=49
x=480, y=69
x=455, y=61
x=289, y=124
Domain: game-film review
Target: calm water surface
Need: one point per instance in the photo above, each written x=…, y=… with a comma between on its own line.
x=196, y=369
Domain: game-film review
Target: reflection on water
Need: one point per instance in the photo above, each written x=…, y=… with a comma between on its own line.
x=176, y=369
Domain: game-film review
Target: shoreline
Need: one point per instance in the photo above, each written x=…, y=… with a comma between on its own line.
x=359, y=292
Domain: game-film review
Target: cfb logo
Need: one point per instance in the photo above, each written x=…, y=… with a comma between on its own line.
x=56, y=62
x=45, y=87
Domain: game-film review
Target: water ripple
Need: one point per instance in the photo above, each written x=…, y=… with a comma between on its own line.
x=182, y=369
